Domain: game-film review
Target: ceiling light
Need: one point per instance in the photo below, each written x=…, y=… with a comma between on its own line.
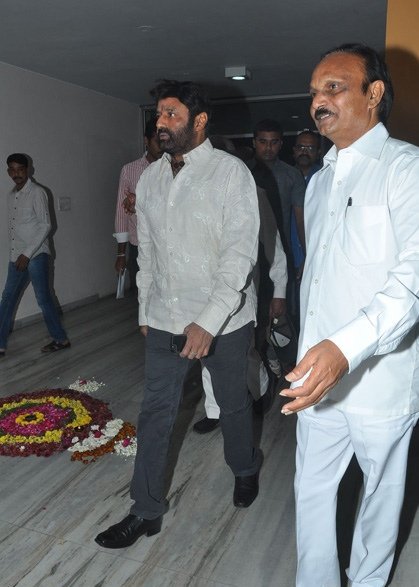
x=145, y=28
x=239, y=72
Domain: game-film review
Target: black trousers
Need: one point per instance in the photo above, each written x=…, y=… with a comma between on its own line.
x=164, y=375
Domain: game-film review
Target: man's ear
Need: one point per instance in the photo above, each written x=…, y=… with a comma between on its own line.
x=376, y=92
x=201, y=121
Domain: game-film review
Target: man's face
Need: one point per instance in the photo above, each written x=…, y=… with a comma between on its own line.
x=175, y=130
x=340, y=109
x=306, y=150
x=18, y=173
x=153, y=147
x=267, y=145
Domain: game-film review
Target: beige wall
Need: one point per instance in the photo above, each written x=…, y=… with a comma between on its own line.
x=78, y=140
x=402, y=55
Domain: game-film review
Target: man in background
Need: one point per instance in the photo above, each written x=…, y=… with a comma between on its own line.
x=125, y=218
x=306, y=153
x=29, y=227
x=285, y=189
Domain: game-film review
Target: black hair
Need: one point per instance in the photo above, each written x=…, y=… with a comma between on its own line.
x=268, y=125
x=310, y=133
x=18, y=158
x=150, y=128
x=190, y=94
x=375, y=69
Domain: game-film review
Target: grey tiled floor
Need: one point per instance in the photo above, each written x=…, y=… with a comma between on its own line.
x=51, y=509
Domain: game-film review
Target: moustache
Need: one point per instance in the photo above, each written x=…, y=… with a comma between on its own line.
x=322, y=112
x=165, y=131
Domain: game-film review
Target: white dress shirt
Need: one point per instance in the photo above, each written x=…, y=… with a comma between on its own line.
x=361, y=278
x=198, y=240
x=29, y=222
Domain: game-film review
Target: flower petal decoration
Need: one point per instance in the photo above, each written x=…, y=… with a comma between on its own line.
x=44, y=422
x=86, y=385
x=116, y=436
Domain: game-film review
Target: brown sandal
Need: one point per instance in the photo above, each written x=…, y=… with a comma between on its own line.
x=55, y=346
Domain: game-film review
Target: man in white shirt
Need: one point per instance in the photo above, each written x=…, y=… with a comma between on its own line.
x=29, y=227
x=358, y=349
x=198, y=241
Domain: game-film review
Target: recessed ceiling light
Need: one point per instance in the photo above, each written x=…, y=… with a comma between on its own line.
x=239, y=72
x=145, y=28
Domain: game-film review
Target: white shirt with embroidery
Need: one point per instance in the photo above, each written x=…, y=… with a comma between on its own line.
x=198, y=240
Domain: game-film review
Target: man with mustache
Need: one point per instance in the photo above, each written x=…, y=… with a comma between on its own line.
x=356, y=384
x=198, y=240
x=306, y=153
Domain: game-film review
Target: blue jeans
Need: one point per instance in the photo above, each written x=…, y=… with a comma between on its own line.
x=37, y=273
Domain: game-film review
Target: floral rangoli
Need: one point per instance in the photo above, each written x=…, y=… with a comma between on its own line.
x=53, y=420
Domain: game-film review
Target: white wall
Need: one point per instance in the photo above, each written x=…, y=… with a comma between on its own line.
x=78, y=140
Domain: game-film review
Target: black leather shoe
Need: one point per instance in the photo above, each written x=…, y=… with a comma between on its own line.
x=246, y=490
x=128, y=531
x=206, y=425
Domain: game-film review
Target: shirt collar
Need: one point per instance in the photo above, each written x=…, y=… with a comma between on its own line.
x=370, y=145
x=200, y=152
x=26, y=187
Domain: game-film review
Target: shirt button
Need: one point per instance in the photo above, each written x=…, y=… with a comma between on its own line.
x=171, y=203
x=316, y=281
x=340, y=182
x=311, y=313
x=170, y=229
x=324, y=246
x=332, y=213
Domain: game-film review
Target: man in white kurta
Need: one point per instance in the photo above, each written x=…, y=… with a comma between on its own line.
x=359, y=350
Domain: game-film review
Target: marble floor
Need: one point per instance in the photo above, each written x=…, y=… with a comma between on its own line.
x=52, y=508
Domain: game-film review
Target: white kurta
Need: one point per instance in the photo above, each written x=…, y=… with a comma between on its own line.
x=361, y=279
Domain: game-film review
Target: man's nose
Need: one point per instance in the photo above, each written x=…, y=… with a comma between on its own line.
x=160, y=120
x=317, y=101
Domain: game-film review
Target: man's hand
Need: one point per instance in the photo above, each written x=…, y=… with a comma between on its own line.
x=278, y=307
x=129, y=202
x=120, y=263
x=144, y=330
x=198, y=342
x=326, y=364
x=21, y=263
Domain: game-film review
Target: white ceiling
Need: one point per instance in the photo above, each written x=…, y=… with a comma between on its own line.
x=121, y=47
x=99, y=44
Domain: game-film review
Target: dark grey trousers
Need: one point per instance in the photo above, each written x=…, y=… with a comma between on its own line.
x=164, y=375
